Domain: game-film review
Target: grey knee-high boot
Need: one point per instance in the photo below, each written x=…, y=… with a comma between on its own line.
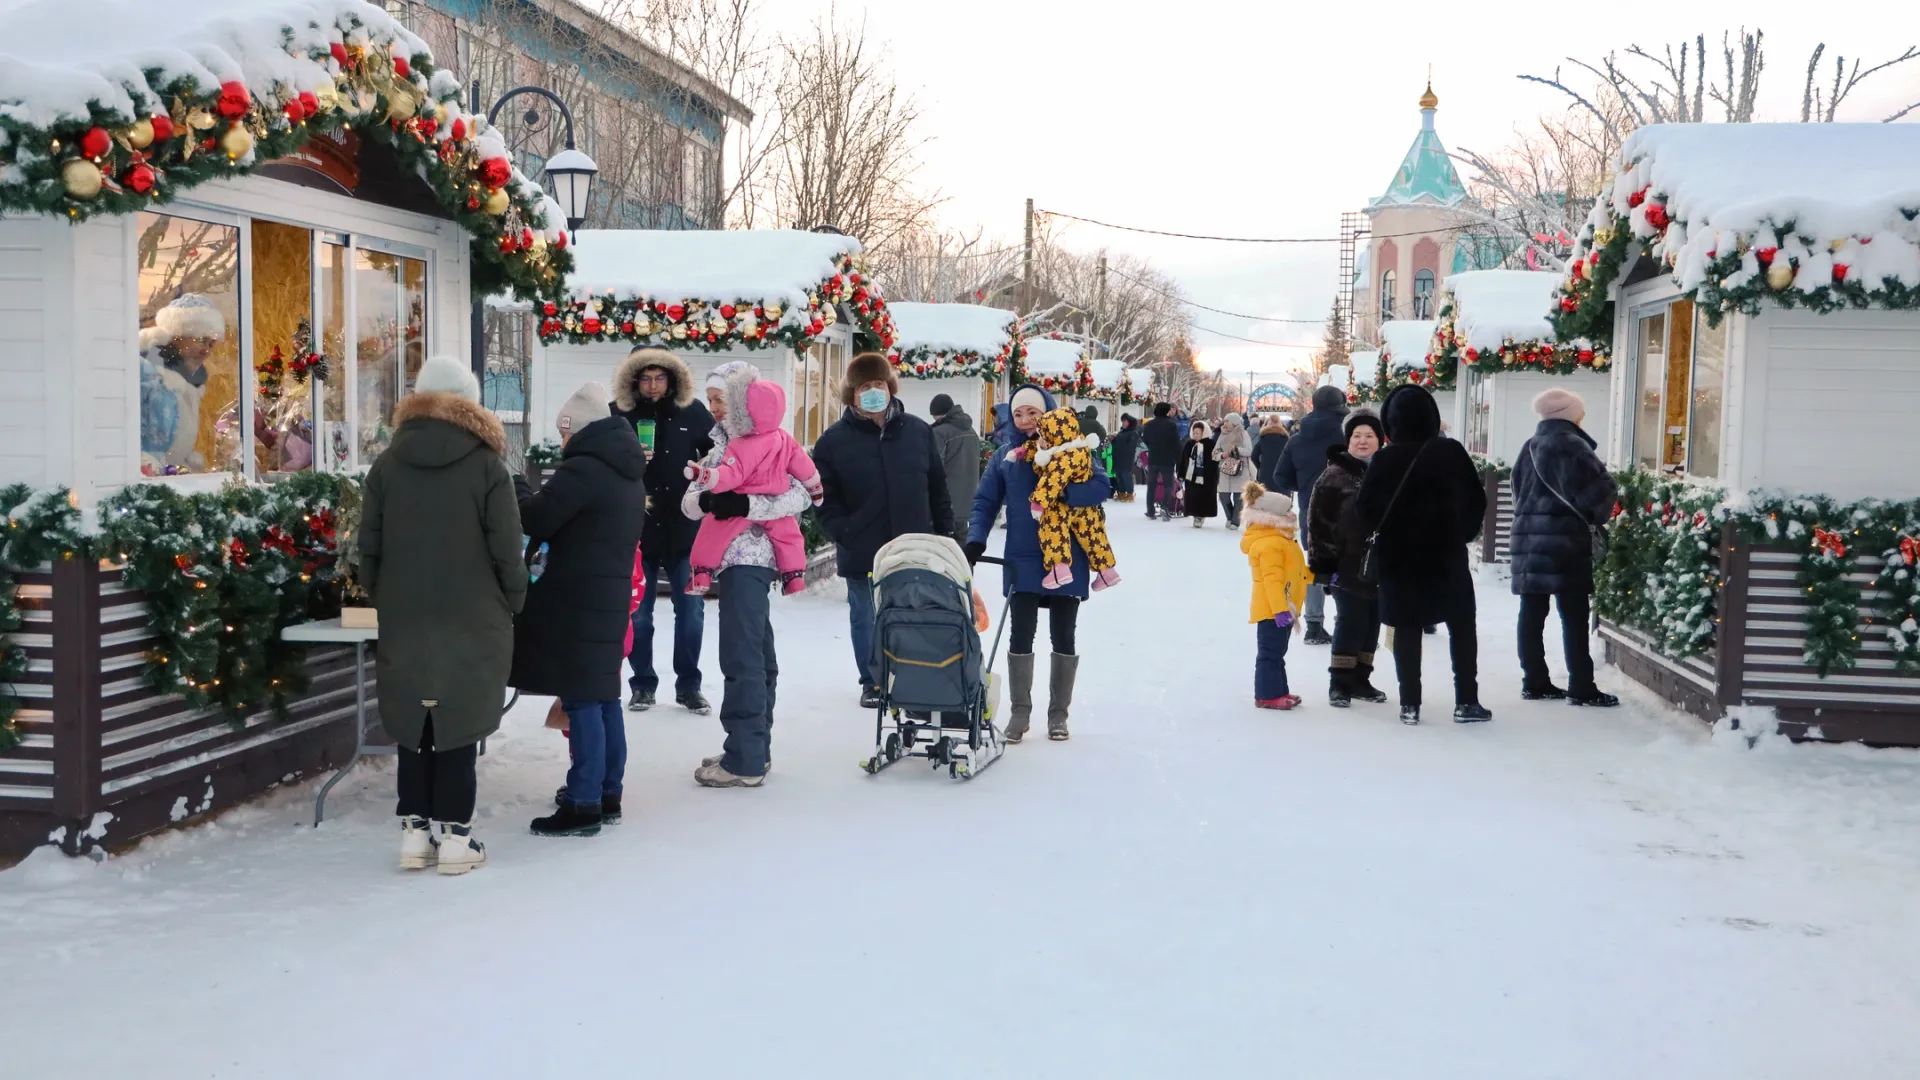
x=1020, y=693
x=1060, y=694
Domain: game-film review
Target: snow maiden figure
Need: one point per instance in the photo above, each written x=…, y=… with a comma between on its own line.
x=173, y=380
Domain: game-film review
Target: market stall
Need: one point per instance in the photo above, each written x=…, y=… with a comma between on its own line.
x=961, y=350
x=797, y=304
x=1119, y=390
x=1059, y=365
x=1406, y=357
x=232, y=233
x=1759, y=286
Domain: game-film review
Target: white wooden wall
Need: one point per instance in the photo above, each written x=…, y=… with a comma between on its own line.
x=1512, y=420
x=918, y=395
x=35, y=278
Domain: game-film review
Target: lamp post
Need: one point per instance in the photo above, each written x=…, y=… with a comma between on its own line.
x=569, y=179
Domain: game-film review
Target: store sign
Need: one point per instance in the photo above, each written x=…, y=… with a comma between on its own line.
x=336, y=160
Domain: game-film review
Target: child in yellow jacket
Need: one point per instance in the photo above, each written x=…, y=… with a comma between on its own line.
x=1280, y=582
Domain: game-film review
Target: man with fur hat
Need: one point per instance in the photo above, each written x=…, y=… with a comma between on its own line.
x=1562, y=492
x=654, y=392
x=883, y=478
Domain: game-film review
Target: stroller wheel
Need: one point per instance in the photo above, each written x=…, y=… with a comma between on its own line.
x=893, y=747
x=942, y=752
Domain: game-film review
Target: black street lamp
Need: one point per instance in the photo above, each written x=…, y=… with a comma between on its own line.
x=569, y=179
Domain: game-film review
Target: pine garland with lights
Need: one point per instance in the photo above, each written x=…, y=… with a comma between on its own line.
x=1451, y=352
x=1661, y=573
x=1898, y=588
x=40, y=529
x=184, y=134
x=713, y=325
x=927, y=362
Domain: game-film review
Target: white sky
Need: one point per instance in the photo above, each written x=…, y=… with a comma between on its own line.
x=1265, y=119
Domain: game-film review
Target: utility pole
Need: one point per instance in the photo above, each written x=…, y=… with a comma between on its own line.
x=1100, y=298
x=1026, y=267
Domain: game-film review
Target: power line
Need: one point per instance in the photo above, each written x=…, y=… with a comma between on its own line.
x=1463, y=230
x=1252, y=341
x=1217, y=311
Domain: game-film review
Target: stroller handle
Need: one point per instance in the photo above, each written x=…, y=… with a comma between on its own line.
x=991, y=560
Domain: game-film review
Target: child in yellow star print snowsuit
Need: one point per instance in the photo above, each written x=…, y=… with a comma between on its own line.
x=1065, y=457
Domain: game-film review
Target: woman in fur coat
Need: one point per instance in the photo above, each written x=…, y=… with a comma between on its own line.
x=1233, y=449
x=1201, y=473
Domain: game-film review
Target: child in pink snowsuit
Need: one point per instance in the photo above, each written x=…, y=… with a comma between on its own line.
x=759, y=458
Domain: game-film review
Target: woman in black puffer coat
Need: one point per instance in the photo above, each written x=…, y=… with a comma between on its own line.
x=1336, y=542
x=1424, y=532
x=571, y=637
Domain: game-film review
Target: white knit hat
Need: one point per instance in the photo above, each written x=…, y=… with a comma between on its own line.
x=1028, y=396
x=1276, y=503
x=589, y=403
x=191, y=316
x=445, y=375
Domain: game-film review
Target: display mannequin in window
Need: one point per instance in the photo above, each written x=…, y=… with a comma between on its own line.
x=174, y=353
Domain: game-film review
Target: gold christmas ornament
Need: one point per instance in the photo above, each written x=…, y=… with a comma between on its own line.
x=237, y=142
x=140, y=135
x=1602, y=237
x=401, y=105
x=81, y=178
x=497, y=203
x=773, y=312
x=439, y=114
x=1779, y=275
x=679, y=331
x=539, y=243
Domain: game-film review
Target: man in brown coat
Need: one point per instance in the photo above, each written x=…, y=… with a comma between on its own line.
x=440, y=554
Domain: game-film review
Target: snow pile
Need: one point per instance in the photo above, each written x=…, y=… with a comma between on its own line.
x=1494, y=307
x=64, y=56
x=951, y=328
x=1366, y=367
x=1406, y=342
x=1107, y=373
x=1051, y=356
x=721, y=266
x=1142, y=380
x=1337, y=375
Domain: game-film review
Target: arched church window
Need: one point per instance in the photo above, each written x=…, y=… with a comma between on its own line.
x=1423, y=294
x=1386, y=295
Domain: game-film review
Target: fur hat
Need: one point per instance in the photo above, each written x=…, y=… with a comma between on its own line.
x=191, y=316
x=941, y=405
x=589, y=403
x=1163, y=409
x=1028, y=396
x=445, y=375
x=1329, y=399
x=1556, y=403
x=1366, y=420
x=870, y=367
x=626, y=378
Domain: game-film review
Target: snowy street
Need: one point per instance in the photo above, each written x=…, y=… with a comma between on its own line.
x=1188, y=887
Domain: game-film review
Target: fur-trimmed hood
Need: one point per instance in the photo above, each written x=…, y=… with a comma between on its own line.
x=1287, y=523
x=1061, y=428
x=1087, y=442
x=737, y=376
x=463, y=427
x=626, y=378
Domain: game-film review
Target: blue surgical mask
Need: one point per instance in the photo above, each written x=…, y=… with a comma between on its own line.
x=873, y=401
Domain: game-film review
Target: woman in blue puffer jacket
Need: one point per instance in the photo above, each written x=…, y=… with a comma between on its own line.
x=1009, y=483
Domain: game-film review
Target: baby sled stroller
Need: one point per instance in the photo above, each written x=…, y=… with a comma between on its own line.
x=937, y=694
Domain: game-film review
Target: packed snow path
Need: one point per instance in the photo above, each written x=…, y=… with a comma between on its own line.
x=1188, y=888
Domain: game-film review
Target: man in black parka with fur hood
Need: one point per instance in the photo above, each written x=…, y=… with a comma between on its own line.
x=1424, y=530
x=1560, y=490
x=656, y=385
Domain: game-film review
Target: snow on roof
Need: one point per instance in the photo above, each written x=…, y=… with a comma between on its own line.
x=715, y=266
x=1406, y=341
x=1492, y=307
x=1107, y=373
x=1141, y=378
x=1366, y=367
x=1052, y=356
x=1337, y=375
x=952, y=327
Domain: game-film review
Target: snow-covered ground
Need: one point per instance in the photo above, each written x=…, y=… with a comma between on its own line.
x=1188, y=888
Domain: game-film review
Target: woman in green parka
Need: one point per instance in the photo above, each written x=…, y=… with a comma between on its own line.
x=440, y=555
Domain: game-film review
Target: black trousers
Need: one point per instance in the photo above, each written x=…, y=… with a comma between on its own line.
x=1063, y=617
x=1159, y=497
x=438, y=784
x=1356, y=630
x=1576, y=615
x=1464, y=643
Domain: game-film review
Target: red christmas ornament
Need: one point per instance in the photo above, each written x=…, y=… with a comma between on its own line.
x=526, y=238
x=549, y=309
x=139, y=178
x=339, y=52
x=758, y=313
x=309, y=104
x=295, y=111
x=506, y=244
x=1657, y=215
x=1839, y=271
x=1473, y=354
x=184, y=562
x=1765, y=255
x=459, y=129
x=1910, y=550
x=561, y=241
x=727, y=311
x=591, y=327
x=234, y=100
x=402, y=68
x=626, y=328
x=1635, y=199
x=816, y=327
x=162, y=127
x=1568, y=303
x=473, y=202
x=1579, y=270
x=495, y=172
x=95, y=142
x=676, y=312
x=1586, y=356
x=710, y=338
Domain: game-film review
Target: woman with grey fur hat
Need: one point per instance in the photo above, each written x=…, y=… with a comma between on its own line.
x=440, y=554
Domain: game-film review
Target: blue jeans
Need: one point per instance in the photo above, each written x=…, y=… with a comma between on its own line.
x=689, y=618
x=1270, y=661
x=597, y=745
x=751, y=669
x=860, y=622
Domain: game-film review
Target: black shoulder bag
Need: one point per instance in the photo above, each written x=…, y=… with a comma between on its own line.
x=1596, y=535
x=1370, y=548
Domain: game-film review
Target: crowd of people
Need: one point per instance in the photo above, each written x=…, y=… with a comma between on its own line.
x=656, y=485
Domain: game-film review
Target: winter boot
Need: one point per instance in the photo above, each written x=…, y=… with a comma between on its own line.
x=609, y=804
x=416, y=843
x=793, y=582
x=1541, y=692
x=1471, y=713
x=1059, y=577
x=1362, y=685
x=1593, y=699
x=717, y=776
x=459, y=851
x=1020, y=694
x=1106, y=579
x=1317, y=634
x=1340, y=681
x=705, y=763
x=1060, y=694
x=572, y=819
x=694, y=702
x=641, y=701
x=1410, y=714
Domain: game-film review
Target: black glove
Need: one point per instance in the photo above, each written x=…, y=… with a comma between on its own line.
x=724, y=505
x=974, y=550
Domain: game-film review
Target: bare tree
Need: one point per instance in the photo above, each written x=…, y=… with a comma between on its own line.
x=1535, y=193
x=932, y=265
x=1815, y=106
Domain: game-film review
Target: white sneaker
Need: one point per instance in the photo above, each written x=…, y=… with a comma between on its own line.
x=416, y=843
x=459, y=851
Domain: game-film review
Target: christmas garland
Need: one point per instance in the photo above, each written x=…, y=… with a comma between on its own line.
x=1899, y=589
x=928, y=362
x=362, y=73
x=1386, y=381
x=1541, y=357
x=1831, y=538
x=1491, y=466
x=39, y=529
x=1124, y=394
x=720, y=325
x=544, y=453
x=1661, y=572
